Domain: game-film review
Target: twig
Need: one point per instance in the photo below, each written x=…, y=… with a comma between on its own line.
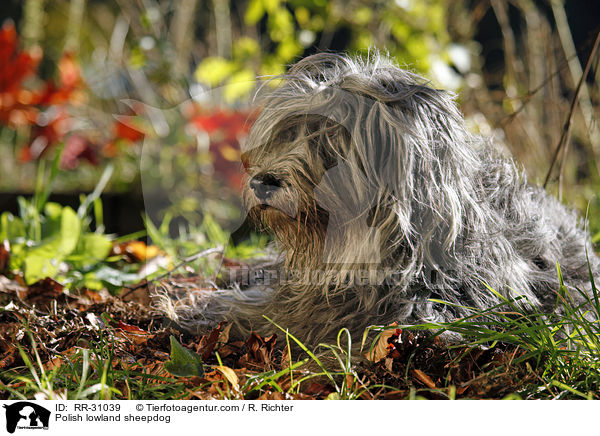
x=500, y=9
x=222, y=10
x=181, y=27
x=526, y=97
x=585, y=102
x=563, y=162
x=567, y=127
x=168, y=273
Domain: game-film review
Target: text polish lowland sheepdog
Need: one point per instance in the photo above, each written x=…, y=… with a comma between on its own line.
x=380, y=200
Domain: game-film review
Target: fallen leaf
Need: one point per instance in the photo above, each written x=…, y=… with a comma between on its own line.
x=383, y=345
x=224, y=335
x=134, y=334
x=131, y=328
x=42, y=293
x=317, y=389
x=9, y=354
x=4, y=255
x=230, y=348
x=389, y=364
x=53, y=363
x=92, y=296
x=208, y=342
x=258, y=351
x=183, y=362
x=135, y=251
x=234, y=263
x=43, y=289
x=423, y=378
x=230, y=375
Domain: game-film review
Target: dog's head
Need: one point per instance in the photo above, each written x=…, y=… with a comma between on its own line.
x=350, y=159
x=284, y=172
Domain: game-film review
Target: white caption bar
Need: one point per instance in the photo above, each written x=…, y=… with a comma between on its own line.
x=42, y=418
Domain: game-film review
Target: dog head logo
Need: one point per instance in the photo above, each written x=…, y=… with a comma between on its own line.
x=26, y=415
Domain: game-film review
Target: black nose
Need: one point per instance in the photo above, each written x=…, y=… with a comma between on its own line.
x=264, y=185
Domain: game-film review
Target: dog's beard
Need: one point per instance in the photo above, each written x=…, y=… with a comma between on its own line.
x=297, y=223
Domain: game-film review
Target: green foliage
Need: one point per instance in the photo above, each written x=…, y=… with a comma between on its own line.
x=192, y=239
x=50, y=240
x=213, y=70
x=72, y=382
x=183, y=362
x=63, y=243
x=346, y=381
x=413, y=32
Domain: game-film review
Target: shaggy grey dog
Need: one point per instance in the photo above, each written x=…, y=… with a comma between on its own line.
x=381, y=200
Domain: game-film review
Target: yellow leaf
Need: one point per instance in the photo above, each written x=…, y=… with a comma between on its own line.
x=230, y=375
x=229, y=153
x=271, y=5
x=288, y=49
x=302, y=16
x=239, y=85
x=254, y=12
x=213, y=70
x=245, y=47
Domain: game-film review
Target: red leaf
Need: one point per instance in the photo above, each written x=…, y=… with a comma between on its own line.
x=76, y=148
x=131, y=328
x=4, y=255
x=128, y=131
x=69, y=71
x=16, y=65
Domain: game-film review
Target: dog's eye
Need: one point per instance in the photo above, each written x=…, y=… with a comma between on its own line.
x=327, y=155
x=328, y=143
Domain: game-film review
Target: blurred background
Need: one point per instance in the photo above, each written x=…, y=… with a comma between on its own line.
x=80, y=79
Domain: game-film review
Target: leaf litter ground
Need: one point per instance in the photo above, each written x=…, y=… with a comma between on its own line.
x=134, y=341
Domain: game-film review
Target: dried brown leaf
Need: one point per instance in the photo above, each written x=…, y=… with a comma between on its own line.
x=209, y=342
x=383, y=347
x=423, y=378
x=259, y=351
x=317, y=389
x=231, y=376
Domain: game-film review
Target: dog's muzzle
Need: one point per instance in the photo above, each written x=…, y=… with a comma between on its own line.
x=264, y=186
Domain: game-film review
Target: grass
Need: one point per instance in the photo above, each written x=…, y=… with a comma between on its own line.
x=565, y=348
x=90, y=373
